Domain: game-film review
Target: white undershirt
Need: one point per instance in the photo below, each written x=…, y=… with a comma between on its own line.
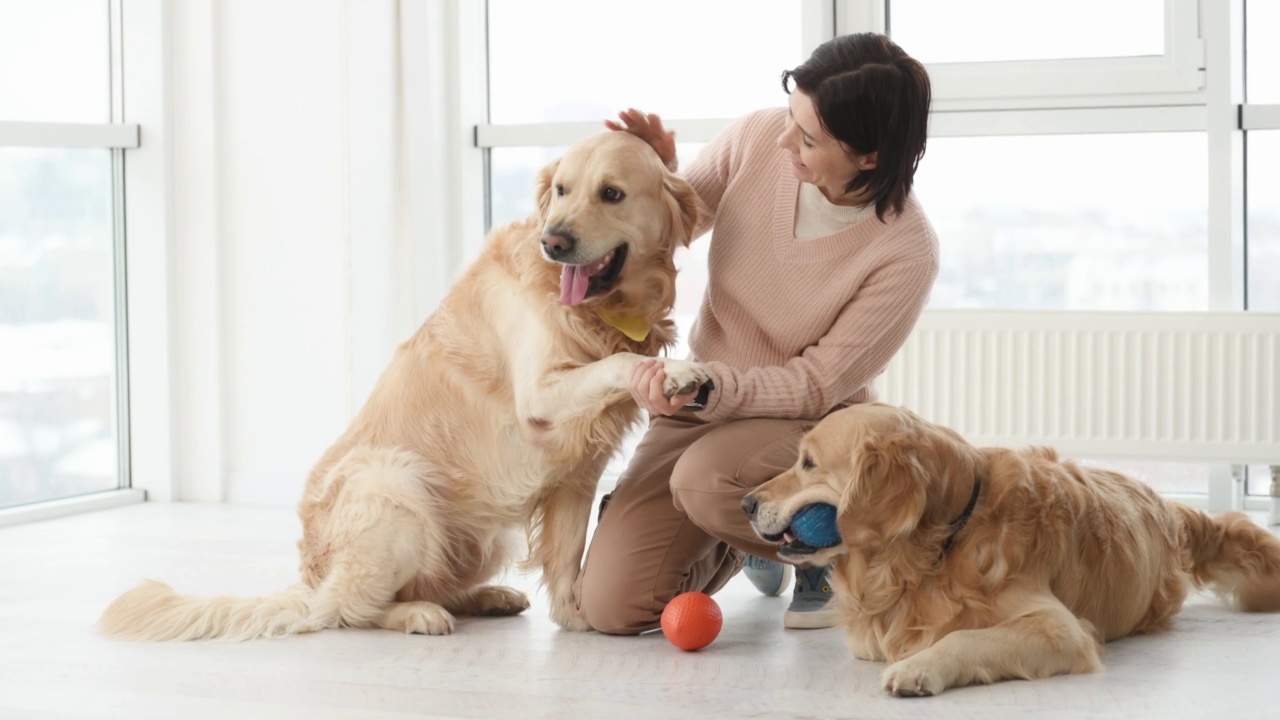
x=817, y=217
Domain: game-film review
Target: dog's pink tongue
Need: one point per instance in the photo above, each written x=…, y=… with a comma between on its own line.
x=573, y=284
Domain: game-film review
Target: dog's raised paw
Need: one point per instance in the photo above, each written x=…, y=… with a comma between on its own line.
x=683, y=377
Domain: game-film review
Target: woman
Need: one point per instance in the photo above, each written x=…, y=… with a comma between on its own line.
x=820, y=263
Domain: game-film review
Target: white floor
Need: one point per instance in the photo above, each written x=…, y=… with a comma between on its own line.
x=57, y=575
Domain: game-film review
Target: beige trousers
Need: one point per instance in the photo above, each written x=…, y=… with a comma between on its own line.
x=675, y=523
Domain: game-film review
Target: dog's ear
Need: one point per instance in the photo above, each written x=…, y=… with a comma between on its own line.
x=684, y=206
x=887, y=495
x=542, y=188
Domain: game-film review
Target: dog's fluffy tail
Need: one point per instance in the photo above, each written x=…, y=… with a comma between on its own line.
x=154, y=611
x=1233, y=555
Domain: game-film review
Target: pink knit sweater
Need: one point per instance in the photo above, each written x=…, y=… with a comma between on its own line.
x=791, y=328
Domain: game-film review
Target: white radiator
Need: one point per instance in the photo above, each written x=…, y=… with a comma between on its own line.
x=1170, y=386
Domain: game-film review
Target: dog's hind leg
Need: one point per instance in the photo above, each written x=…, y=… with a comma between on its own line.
x=1041, y=638
x=492, y=600
x=378, y=533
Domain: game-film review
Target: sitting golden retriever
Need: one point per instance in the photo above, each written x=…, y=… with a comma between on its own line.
x=500, y=412
x=968, y=565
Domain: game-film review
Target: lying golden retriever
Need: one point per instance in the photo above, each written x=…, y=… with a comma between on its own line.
x=500, y=412
x=965, y=565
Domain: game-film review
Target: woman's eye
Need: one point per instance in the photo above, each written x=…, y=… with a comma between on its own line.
x=560, y=190
x=611, y=195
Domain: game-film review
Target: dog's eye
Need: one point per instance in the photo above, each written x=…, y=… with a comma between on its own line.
x=611, y=195
x=559, y=189
x=808, y=463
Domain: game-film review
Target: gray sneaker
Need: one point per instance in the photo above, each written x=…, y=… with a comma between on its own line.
x=769, y=577
x=811, y=602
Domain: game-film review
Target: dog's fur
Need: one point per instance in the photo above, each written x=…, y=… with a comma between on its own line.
x=1054, y=560
x=500, y=412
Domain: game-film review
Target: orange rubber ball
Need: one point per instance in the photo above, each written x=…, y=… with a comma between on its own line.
x=691, y=620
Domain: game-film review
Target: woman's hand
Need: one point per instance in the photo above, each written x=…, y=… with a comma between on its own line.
x=646, y=389
x=648, y=127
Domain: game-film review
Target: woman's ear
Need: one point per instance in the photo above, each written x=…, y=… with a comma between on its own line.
x=685, y=207
x=542, y=187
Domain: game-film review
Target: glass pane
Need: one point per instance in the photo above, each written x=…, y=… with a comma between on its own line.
x=57, y=325
x=55, y=61
x=1264, y=220
x=1069, y=222
x=1262, y=25
x=579, y=60
x=946, y=31
x=1259, y=480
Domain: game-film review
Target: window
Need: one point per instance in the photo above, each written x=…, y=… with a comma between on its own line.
x=69, y=42
x=1264, y=220
x=1026, y=223
x=1073, y=52
x=62, y=428
x=1262, y=23
x=1259, y=480
x=568, y=60
x=951, y=32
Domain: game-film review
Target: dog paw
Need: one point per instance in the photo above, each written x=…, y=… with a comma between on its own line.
x=423, y=618
x=499, y=601
x=913, y=678
x=568, y=617
x=683, y=377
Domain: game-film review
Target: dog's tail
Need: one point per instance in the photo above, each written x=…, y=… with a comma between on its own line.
x=1234, y=556
x=154, y=611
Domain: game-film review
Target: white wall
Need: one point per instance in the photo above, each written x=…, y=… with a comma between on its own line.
x=297, y=255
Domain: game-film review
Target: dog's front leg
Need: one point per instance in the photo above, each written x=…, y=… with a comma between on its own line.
x=561, y=395
x=558, y=536
x=1041, y=640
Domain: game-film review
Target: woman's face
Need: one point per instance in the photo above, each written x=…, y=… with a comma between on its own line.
x=816, y=157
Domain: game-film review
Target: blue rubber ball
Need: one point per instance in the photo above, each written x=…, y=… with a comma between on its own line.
x=815, y=526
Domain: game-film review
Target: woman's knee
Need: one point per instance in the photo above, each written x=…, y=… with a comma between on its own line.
x=613, y=608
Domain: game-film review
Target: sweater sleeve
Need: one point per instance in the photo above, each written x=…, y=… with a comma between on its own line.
x=712, y=169
x=866, y=335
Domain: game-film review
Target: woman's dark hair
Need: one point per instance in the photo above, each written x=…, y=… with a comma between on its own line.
x=872, y=97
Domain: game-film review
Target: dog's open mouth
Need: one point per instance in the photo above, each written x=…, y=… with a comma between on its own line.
x=789, y=544
x=579, y=282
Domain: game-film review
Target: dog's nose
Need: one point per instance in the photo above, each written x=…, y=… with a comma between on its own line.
x=557, y=245
x=749, y=505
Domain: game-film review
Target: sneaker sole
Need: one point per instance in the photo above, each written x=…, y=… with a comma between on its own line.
x=811, y=620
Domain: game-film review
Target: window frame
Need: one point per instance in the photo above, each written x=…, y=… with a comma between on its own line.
x=141, y=402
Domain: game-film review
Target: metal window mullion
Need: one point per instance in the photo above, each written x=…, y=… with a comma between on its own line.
x=119, y=247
